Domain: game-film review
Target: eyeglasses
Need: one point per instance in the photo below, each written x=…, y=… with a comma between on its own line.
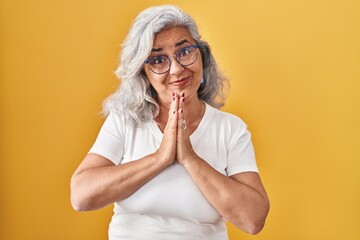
x=184, y=56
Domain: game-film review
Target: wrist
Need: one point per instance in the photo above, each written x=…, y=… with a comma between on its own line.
x=192, y=161
x=160, y=159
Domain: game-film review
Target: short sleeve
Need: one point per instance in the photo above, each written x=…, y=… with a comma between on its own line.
x=110, y=140
x=241, y=156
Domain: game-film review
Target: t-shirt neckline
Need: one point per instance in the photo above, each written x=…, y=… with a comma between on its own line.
x=195, y=135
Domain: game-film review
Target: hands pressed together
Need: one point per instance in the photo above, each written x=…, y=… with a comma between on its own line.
x=240, y=198
x=176, y=145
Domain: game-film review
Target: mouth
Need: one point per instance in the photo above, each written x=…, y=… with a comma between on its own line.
x=180, y=82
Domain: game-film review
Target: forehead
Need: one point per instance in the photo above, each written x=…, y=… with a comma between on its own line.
x=169, y=37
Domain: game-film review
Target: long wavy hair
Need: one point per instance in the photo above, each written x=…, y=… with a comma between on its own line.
x=135, y=98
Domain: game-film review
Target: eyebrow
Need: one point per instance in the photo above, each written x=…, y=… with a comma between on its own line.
x=176, y=45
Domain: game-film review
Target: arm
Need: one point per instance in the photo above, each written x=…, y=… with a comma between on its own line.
x=98, y=182
x=240, y=199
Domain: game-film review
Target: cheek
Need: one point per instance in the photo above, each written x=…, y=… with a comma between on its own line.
x=155, y=80
x=150, y=75
x=200, y=66
x=198, y=70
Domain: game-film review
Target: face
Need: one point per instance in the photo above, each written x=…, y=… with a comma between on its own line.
x=179, y=78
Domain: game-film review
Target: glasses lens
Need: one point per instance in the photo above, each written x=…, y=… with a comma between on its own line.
x=159, y=64
x=186, y=56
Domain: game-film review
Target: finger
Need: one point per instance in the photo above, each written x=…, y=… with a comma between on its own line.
x=181, y=119
x=173, y=112
x=172, y=104
x=182, y=105
x=182, y=124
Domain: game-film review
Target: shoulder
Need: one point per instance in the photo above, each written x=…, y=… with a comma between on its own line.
x=116, y=123
x=121, y=119
x=225, y=119
x=116, y=118
x=123, y=125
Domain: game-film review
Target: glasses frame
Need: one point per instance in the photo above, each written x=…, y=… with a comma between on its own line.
x=147, y=61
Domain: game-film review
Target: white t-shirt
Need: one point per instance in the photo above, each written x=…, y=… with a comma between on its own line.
x=170, y=206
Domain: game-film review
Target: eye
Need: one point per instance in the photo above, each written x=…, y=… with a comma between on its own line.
x=184, y=51
x=157, y=60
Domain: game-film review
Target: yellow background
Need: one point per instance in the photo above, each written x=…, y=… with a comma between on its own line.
x=294, y=68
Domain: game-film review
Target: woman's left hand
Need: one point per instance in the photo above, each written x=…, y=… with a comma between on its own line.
x=241, y=198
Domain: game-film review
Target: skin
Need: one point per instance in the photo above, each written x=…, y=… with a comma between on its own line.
x=97, y=182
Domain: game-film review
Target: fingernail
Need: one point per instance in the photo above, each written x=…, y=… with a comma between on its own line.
x=173, y=99
x=183, y=94
x=173, y=94
x=173, y=112
x=181, y=111
x=183, y=99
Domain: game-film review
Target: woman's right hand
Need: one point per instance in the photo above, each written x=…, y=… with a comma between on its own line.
x=98, y=182
x=167, y=150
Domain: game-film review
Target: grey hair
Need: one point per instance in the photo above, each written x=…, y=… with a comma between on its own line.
x=135, y=98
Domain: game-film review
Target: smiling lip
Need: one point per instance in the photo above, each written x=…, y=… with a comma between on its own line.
x=180, y=82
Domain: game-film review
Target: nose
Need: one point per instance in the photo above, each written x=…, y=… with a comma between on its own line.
x=175, y=67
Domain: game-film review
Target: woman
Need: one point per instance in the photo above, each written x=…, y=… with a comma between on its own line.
x=175, y=166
